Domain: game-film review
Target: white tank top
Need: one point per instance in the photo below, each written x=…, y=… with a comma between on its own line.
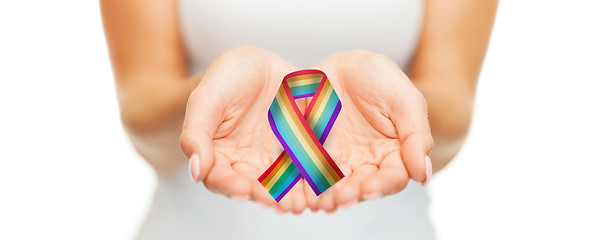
x=302, y=32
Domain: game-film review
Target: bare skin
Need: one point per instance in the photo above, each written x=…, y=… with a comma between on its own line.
x=380, y=139
x=231, y=134
x=366, y=141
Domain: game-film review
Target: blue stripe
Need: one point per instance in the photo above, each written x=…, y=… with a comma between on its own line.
x=296, y=92
x=325, y=115
x=312, y=86
x=323, y=127
x=309, y=166
x=329, y=114
x=288, y=182
x=284, y=129
x=279, y=121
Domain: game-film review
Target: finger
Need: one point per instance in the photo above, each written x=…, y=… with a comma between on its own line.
x=415, y=155
x=203, y=116
x=294, y=200
x=311, y=198
x=202, y=157
x=391, y=177
x=326, y=201
x=224, y=180
x=409, y=117
x=258, y=192
x=350, y=191
x=315, y=203
x=299, y=200
x=286, y=204
x=302, y=104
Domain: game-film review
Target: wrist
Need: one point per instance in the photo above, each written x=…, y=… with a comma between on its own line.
x=153, y=107
x=450, y=112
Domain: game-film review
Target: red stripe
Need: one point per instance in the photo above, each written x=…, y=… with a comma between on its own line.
x=316, y=94
x=269, y=170
x=304, y=72
x=312, y=136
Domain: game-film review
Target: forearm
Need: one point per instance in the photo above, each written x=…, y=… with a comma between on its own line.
x=150, y=72
x=153, y=107
x=152, y=114
x=446, y=68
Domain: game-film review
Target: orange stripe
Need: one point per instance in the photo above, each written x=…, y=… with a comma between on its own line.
x=301, y=128
x=271, y=175
x=323, y=159
x=302, y=77
x=307, y=137
x=321, y=97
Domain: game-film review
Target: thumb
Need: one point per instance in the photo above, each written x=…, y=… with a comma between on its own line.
x=415, y=155
x=413, y=130
x=203, y=116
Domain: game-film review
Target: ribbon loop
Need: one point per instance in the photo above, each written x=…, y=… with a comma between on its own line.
x=302, y=136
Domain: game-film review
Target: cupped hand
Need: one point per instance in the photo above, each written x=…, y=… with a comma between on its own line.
x=381, y=138
x=226, y=133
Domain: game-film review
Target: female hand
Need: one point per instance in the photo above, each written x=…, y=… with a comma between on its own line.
x=381, y=138
x=226, y=133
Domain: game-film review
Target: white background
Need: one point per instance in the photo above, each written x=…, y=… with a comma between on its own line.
x=530, y=169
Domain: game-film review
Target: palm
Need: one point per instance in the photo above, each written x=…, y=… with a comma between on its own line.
x=230, y=107
x=244, y=141
x=355, y=143
x=365, y=142
x=379, y=140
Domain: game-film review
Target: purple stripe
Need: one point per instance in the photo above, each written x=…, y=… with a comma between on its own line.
x=325, y=133
x=304, y=95
x=288, y=150
x=288, y=188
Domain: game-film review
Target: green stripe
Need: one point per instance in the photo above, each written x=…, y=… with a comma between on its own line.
x=282, y=179
x=304, y=87
x=291, y=144
x=324, y=114
x=306, y=158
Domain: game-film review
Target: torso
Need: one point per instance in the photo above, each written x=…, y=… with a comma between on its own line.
x=303, y=33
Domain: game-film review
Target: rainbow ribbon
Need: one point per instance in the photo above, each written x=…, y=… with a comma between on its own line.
x=302, y=136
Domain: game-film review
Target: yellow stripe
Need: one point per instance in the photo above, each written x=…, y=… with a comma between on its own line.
x=320, y=98
x=302, y=77
x=308, y=138
x=320, y=109
x=278, y=174
x=276, y=168
x=302, y=139
x=305, y=82
x=314, y=119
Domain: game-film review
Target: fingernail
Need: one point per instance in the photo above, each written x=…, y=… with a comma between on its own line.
x=371, y=196
x=427, y=170
x=194, y=166
x=349, y=204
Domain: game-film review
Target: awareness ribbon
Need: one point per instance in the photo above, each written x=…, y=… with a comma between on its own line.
x=302, y=136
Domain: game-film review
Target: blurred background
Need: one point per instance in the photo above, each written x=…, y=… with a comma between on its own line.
x=531, y=167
